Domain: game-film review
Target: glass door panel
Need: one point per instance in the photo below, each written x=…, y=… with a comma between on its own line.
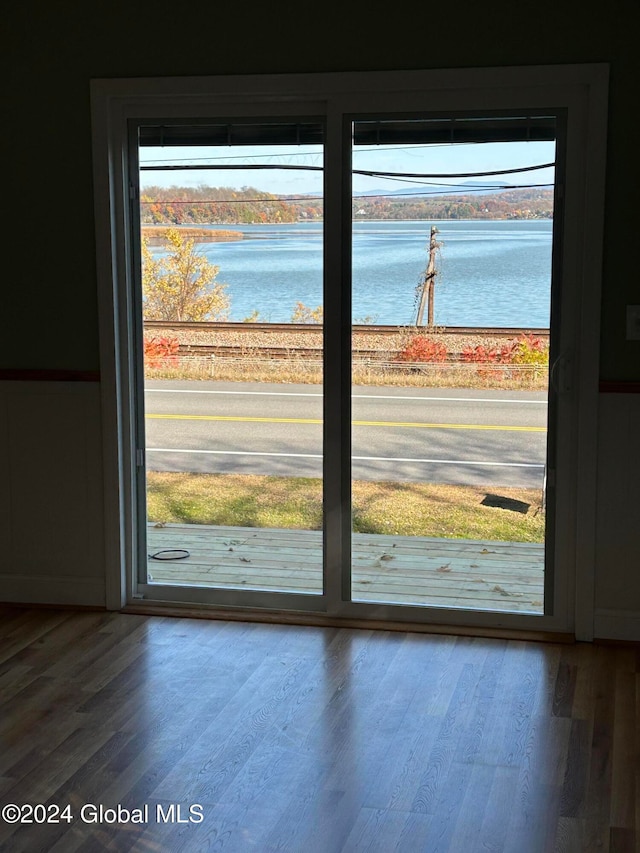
x=232, y=281
x=452, y=291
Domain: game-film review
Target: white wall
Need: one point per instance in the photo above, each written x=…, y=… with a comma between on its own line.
x=51, y=502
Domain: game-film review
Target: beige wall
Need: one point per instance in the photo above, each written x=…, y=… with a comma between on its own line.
x=54, y=49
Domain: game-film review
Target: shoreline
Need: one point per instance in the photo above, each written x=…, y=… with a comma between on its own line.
x=154, y=234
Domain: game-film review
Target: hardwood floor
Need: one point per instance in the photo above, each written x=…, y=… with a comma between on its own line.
x=313, y=740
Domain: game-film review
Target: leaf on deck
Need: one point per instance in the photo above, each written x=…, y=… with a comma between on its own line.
x=504, y=592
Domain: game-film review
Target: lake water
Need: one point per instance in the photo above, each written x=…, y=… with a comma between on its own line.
x=493, y=273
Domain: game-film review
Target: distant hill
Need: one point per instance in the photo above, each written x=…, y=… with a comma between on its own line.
x=417, y=190
x=474, y=203
x=224, y=205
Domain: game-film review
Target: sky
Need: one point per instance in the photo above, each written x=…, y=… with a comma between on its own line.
x=416, y=159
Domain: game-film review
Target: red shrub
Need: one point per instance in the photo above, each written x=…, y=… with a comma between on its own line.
x=527, y=349
x=421, y=349
x=159, y=352
x=532, y=342
x=480, y=354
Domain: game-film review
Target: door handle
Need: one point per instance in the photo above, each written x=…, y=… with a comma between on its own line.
x=561, y=374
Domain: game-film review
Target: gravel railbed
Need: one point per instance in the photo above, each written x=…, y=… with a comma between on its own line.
x=261, y=340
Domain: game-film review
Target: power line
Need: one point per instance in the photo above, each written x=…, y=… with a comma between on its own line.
x=475, y=186
x=358, y=150
x=365, y=172
x=316, y=199
x=461, y=191
x=376, y=174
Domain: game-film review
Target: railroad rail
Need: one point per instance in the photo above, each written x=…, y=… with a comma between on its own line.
x=299, y=353
x=269, y=340
x=310, y=328
x=375, y=358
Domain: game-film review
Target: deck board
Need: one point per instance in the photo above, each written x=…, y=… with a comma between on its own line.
x=502, y=576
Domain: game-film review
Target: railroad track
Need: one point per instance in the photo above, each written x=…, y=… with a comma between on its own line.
x=300, y=353
x=308, y=355
x=263, y=331
x=313, y=328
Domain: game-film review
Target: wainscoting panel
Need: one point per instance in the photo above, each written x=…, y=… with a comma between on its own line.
x=51, y=495
x=617, y=590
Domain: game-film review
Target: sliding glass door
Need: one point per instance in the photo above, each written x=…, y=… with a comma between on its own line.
x=345, y=313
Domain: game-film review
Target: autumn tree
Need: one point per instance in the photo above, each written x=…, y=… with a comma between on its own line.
x=181, y=285
x=303, y=314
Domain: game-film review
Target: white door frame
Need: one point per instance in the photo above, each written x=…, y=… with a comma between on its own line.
x=581, y=90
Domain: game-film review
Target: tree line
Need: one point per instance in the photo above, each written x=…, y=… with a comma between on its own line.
x=222, y=205
x=248, y=206
x=509, y=204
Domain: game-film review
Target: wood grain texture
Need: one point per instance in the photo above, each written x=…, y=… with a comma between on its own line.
x=500, y=576
x=314, y=739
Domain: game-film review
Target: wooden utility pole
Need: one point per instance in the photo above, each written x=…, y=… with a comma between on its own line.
x=427, y=285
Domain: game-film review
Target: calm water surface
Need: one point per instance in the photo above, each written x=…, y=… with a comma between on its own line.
x=494, y=273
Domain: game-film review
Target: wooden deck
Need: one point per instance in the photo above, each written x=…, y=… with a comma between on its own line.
x=502, y=576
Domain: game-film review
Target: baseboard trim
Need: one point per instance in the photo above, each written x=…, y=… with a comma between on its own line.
x=617, y=625
x=322, y=621
x=41, y=589
x=14, y=606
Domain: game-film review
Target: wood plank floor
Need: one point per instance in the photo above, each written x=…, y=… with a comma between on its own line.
x=502, y=576
x=313, y=740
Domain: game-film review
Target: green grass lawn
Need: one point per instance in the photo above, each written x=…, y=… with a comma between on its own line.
x=401, y=508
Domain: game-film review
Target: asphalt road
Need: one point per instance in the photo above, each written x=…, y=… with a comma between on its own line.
x=460, y=436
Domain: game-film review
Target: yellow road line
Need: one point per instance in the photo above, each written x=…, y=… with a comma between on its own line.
x=402, y=424
x=236, y=419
